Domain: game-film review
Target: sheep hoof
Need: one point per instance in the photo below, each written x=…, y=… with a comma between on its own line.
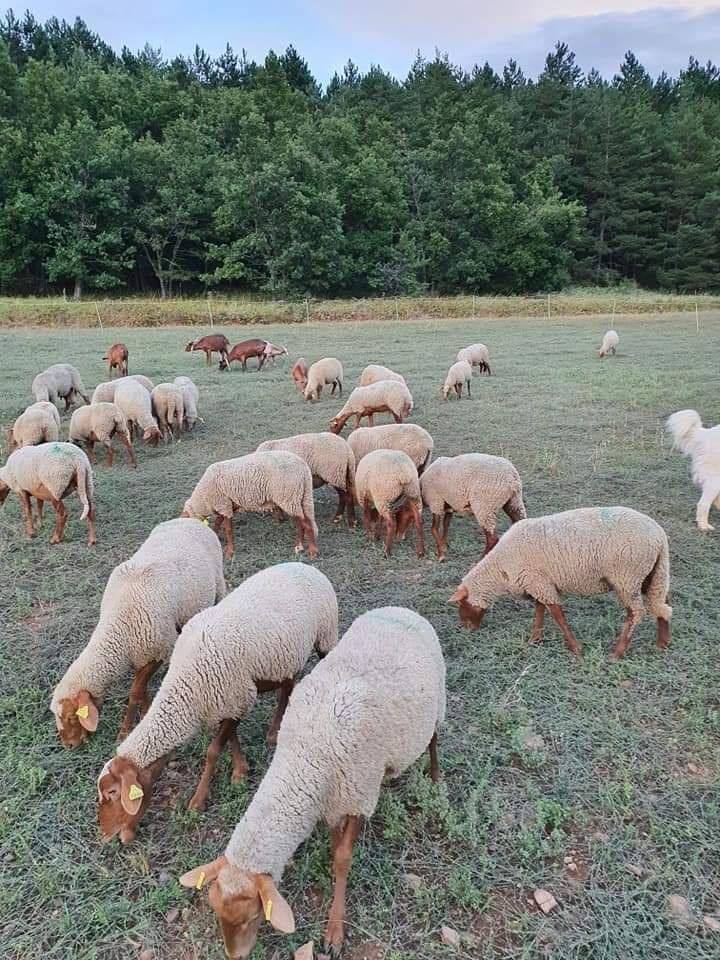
x=299, y=548
x=337, y=519
x=197, y=804
x=705, y=527
x=313, y=553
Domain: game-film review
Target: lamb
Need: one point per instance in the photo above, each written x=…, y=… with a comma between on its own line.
x=414, y=440
x=364, y=715
x=257, y=481
x=60, y=381
x=105, y=392
x=330, y=460
x=385, y=395
x=214, y=343
x=388, y=481
x=99, y=423
x=50, y=471
x=322, y=372
x=168, y=406
x=255, y=640
x=191, y=397
x=374, y=372
x=474, y=483
x=609, y=344
x=477, y=355
x=702, y=445
x=148, y=599
x=39, y=423
x=459, y=373
x=135, y=402
x=299, y=374
x=117, y=358
x=586, y=551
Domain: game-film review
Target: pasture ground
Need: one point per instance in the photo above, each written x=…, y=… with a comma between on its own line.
x=596, y=782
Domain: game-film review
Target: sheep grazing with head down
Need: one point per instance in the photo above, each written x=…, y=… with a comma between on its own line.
x=409, y=437
x=136, y=403
x=39, y=423
x=609, y=344
x=299, y=374
x=477, y=355
x=389, y=396
x=61, y=381
x=213, y=343
x=323, y=372
x=191, y=398
x=387, y=481
x=255, y=640
x=366, y=713
x=587, y=551
x=99, y=423
x=148, y=599
x=168, y=406
x=459, y=375
x=105, y=392
x=257, y=482
x=375, y=371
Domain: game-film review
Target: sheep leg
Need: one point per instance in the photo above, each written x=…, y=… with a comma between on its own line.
x=446, y=526
x=434, y=770
x=278, y=514
x=125, y=441
x=229, y=539
x=490, y=540
x=437, y=537
x=299, y=546
x=110, y=454
x=310, y=537
x=632, y=619
x=138, y=695
x=367, y=517
x=90, y=447
x=208, y=357
x=350, y=509
x=283, y=695
x=391, y=527
x=334, y=385
x=663, y=633
x=559, y=617
x=39, y=505
x=239, y=763
x=458, y=390
x=341, y=505
x=61, y=515
x=199, y=798
x=468, y=389
x=342, y=840
x=26, y=503
x=536, y=635
x=417, y=519
x=92, y=535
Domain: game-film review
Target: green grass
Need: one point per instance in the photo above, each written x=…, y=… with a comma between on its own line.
x=628, y=769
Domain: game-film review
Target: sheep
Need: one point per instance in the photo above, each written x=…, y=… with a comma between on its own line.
x=50, y=471
x=702, y=445
x=99, y=423
x=148, y=599
x=374, y=372
x=609, y=344
x=136, y=403
x=474, y=483
x=388, y=481
x=168, y=406
x=322, y=372
x=459, y=373
x=299, y=374
x=384, y=395
x=255, y=347
x=214, y=343
x=60, y=381
x=255, y=640
x=367, y=711
x=414, y=440
x=117, y=357
x=258, y=481
x=191, y=396
x=105, y=392
x=39, y=423
x=330, y=460
x=477, y=355
x=587, y=551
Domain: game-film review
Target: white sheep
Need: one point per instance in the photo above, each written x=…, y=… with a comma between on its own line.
x=99, y=423
x=475, y=483
x=136, y=403
x=330, y=460
x=477, y=355
x=148, y=599
x=39, y=423
x=414, y=440
x=609, y=344
x=375, y=371
x=61, y=381
x=459, y=374
x=586, y=551
x=363, y=716
x=168, y=407
x=322, y=372
x=388, y=481
x=105, y=392
x=50, y=471
x=257, y=639
x=257, y=482
x=191, y=398
x=383, y=396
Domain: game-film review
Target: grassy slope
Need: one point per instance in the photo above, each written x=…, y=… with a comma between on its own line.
x=611, y=786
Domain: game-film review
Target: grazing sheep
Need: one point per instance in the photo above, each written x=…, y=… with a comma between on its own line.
x=257, y=482
x=50, y=471
x=136, y=403
x=586, y=551
x=148, y=599
x=105, y=392
x=191, y=397
x=99, y=423
x=214, y=343
x=168, y=406
x=477, y=355
x=471, y=483
x=384, y=396
x=39, y=423
x=702, y=445
x=459, y=373
x=374, y=372
x=255, y=347
x=322, y=372
x=61, y=381
x=117, y=357
x=609, y=344
x=299, y=374
x=363, y=716
x=330, y=460
x=255, y=640
x=388, y=481
x=414, y=440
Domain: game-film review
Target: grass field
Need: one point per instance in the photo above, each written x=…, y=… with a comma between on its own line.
x=613, y=810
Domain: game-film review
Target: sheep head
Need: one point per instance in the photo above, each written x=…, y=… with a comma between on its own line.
x=76, y=717
x=151, y=435
x=470, y=615
x=123, y=795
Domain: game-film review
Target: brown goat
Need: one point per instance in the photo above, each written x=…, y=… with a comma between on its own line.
x=299, y=373
x=255, y=347
x=214, y=343
x=117, y=357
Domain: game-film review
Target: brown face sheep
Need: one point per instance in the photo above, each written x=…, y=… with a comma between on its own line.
x=299, y=373
x=384, y=396
x=214, y=343
x=386, y=482
x=117, y=358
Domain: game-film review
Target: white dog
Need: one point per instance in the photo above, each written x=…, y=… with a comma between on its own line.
x=702, y=445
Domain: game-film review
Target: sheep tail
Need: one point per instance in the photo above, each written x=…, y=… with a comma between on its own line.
x=657, y=584
x=83, y=488
x=683, y=426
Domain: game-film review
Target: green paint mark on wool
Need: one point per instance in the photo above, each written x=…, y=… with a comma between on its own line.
x=607, y=514
x=62, y=450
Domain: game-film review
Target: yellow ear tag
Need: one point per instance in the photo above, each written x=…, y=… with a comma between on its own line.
x=200, y=880
x=206, y=522
x=135, y=792
x=83, y=712
x=268, y=910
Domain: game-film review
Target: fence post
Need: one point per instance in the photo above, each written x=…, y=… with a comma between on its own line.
x=307, y=311
x=613, y=313
x=397, y=314
x=473, y=306
x=212, y=322
x=99, y=318
x=697, y=319
x=548, y=306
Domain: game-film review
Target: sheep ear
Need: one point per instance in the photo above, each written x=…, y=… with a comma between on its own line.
x=131, y=793
x=460, y=594
x=87, y=712
x=277, y=910
x=197, y=878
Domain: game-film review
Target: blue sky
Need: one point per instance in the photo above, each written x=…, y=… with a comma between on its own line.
x=390, y=32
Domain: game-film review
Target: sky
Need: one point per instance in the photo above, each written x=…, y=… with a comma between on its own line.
x=662, y=33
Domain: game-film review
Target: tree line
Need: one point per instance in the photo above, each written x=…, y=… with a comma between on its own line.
x=131, y=172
